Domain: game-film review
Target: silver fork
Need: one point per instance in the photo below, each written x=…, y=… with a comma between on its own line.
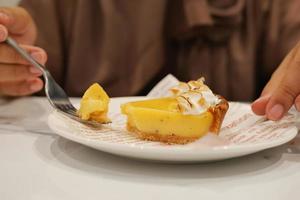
x=55, y=94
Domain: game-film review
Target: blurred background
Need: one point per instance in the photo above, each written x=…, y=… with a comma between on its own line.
x=8, y=2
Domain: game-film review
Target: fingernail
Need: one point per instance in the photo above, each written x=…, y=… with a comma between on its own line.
x=37, y=56
x=35, y=87
x=4, y=16
x=276, y=112
x=2, y=34
x=298, y=106
x=35, y=71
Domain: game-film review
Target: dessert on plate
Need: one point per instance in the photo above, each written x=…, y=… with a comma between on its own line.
x=191, y=111
x=94, y=104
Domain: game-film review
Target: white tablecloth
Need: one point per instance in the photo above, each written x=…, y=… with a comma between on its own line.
x=37, y=164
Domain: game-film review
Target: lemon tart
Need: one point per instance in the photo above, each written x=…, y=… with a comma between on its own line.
x=191, y=111
x=94, y=104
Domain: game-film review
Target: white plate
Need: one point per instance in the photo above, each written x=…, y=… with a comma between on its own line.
x=242, y=133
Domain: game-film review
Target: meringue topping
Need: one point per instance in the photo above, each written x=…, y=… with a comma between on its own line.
x=194, y=97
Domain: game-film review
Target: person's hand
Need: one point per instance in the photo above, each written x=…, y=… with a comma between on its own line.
x=17, y=76
x=283, y=89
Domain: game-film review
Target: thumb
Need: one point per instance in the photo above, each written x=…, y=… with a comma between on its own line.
x=19, y=24
x=283, y=97
x=283, y=88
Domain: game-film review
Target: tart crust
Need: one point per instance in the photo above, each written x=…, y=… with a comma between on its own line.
x=217, y=111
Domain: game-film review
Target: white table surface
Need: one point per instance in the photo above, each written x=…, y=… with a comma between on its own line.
x=37, y=164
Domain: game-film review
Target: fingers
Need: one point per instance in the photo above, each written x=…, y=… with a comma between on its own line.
x=9, y=73
x=21, y=88
x=278, y=75
x=284, y=95
x=259, y=106
x=17, y=76
x=10, y=56
x=283, y=90
x=16, y=19
x=5, y=17
x=18, y=23
x=3, y=33
x=14, y=68
x=283, y=98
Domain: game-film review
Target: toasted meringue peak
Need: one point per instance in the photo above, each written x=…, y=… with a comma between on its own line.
x=194, y=97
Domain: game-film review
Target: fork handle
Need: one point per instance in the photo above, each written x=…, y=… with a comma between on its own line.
x=11, y=42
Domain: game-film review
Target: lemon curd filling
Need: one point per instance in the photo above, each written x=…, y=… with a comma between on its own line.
x=190, y=112
x=162, y=116
x=94, y=104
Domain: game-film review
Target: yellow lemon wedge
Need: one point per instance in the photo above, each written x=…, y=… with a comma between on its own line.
x=94, y=104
